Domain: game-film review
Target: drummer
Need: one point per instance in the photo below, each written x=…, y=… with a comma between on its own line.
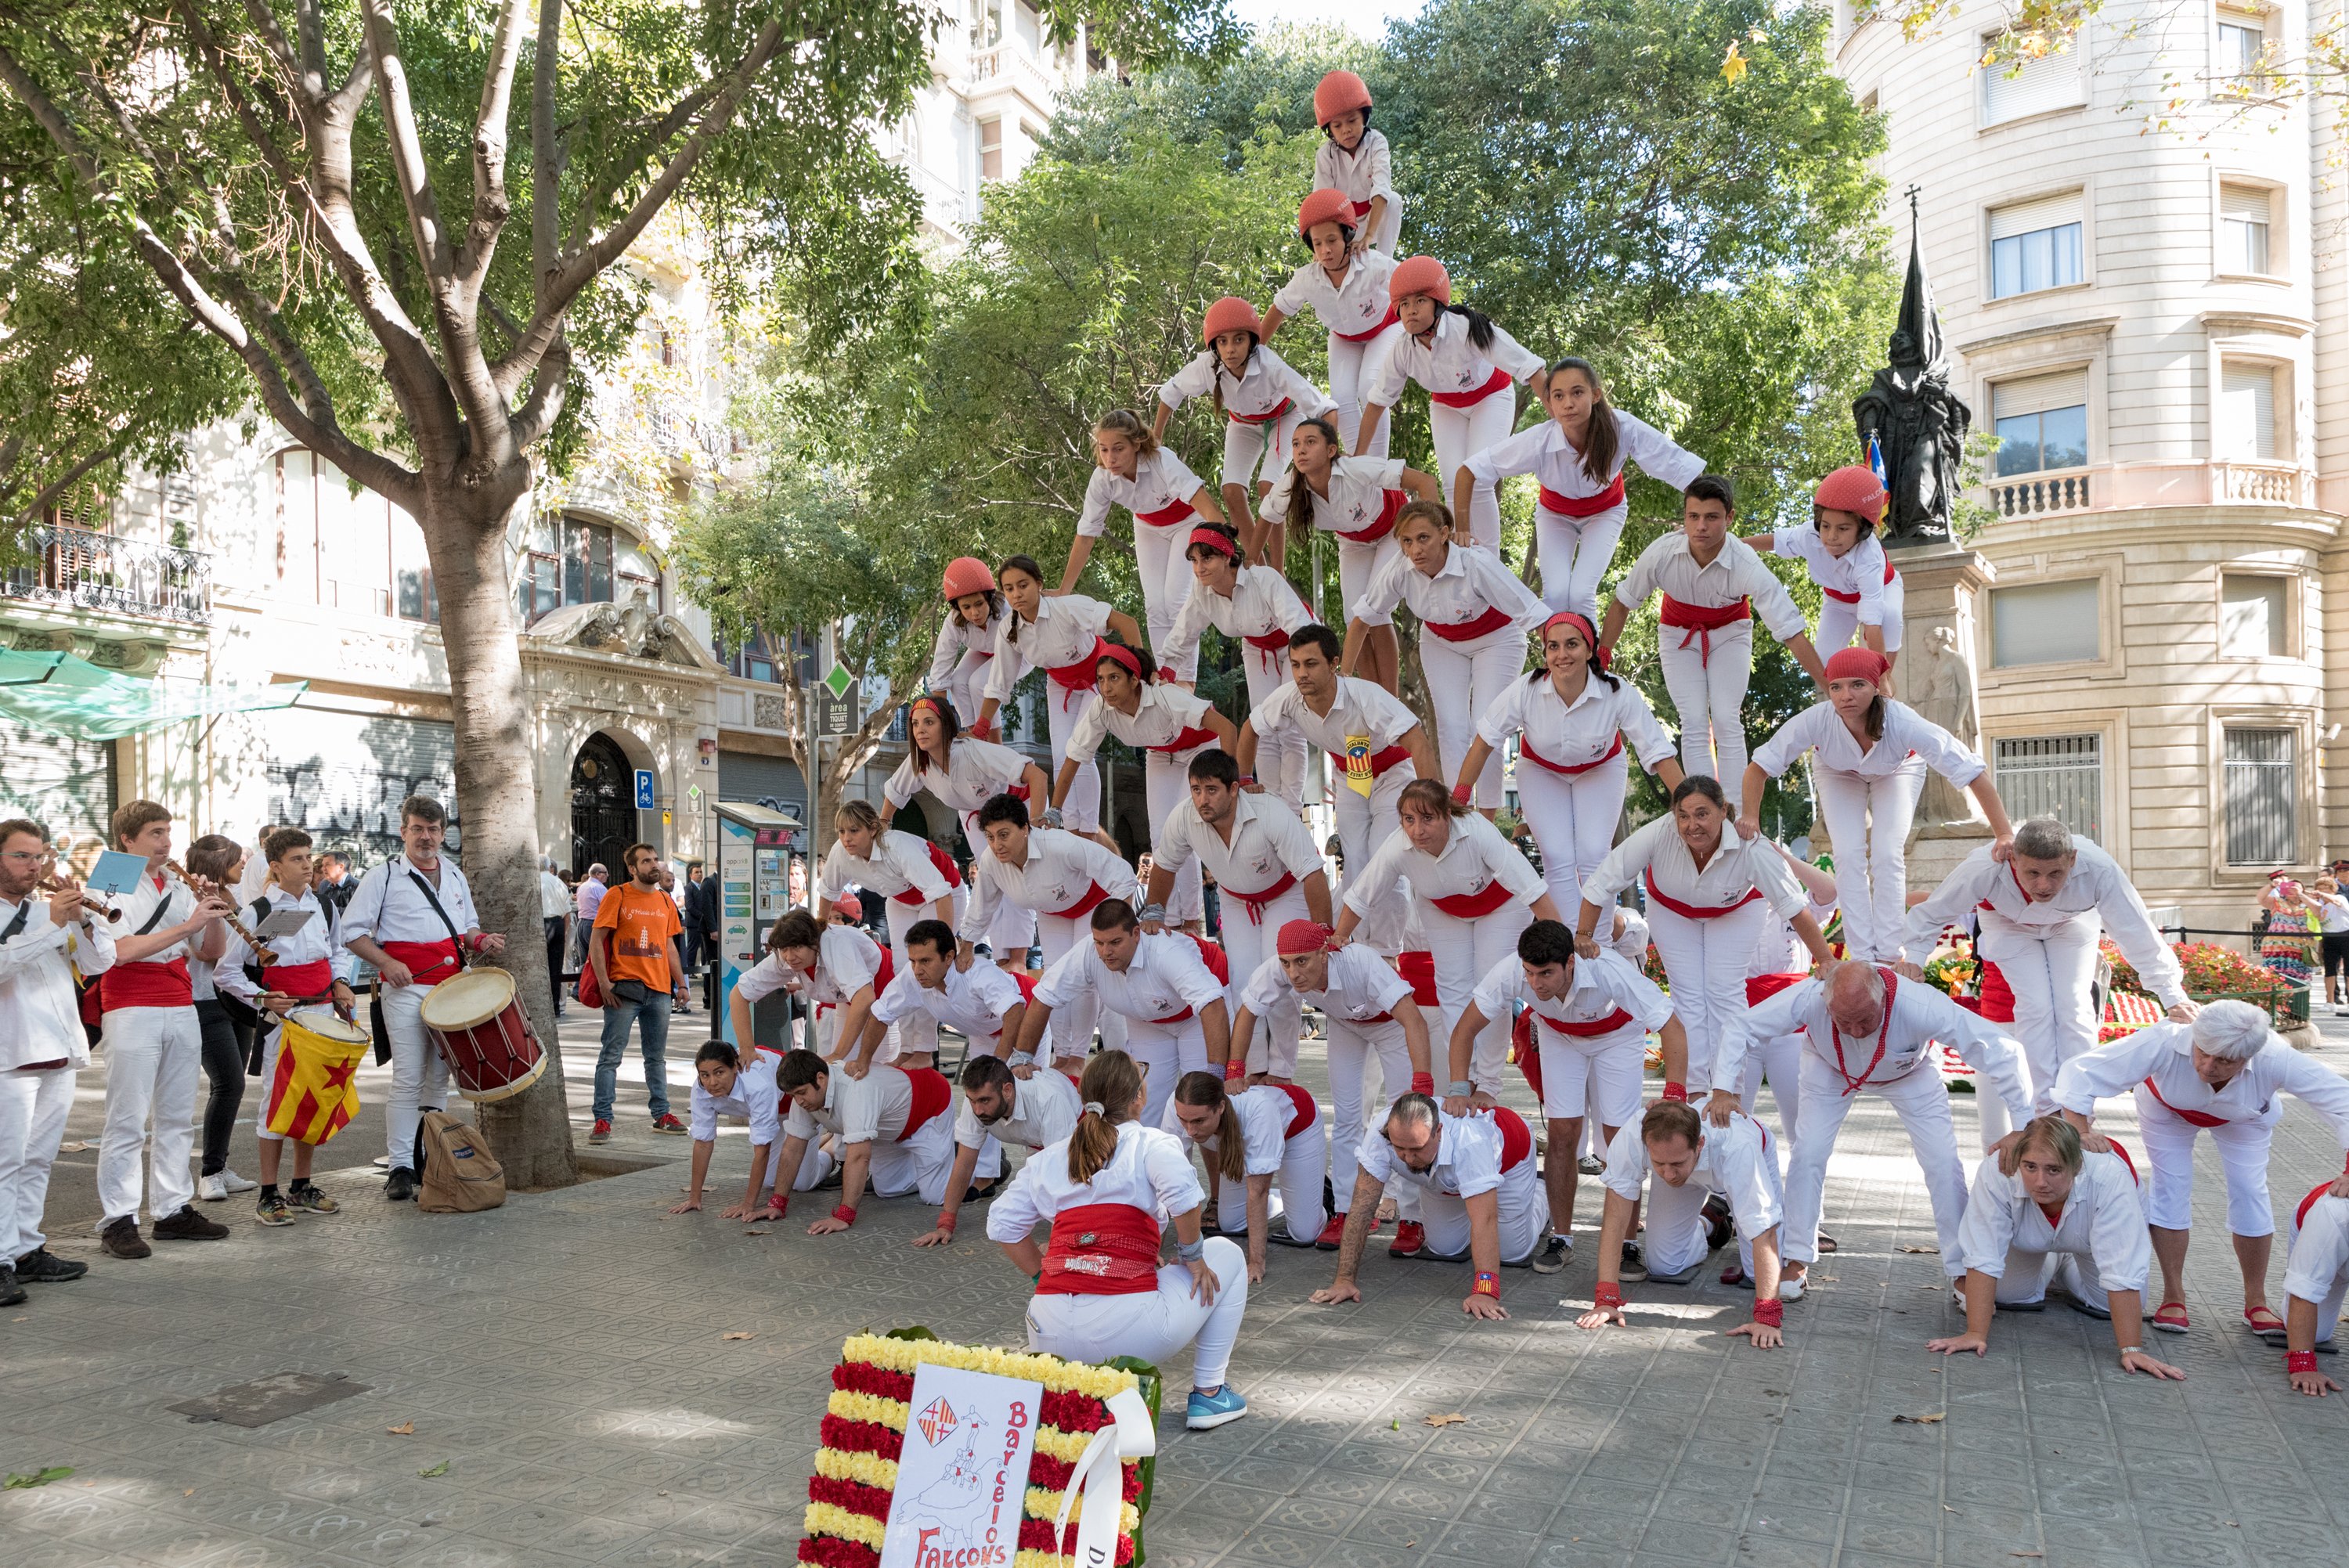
x=302, y=976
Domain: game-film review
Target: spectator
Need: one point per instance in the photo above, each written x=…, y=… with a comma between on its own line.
x=332, y=883
x=633, y=948
x=708, y=891
x=554, y=913
x=589, y=901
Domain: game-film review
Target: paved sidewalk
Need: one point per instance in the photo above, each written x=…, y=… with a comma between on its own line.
x=562, y=1356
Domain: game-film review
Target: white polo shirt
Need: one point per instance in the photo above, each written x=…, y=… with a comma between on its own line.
x=1474, y=856
x=2102, y=1221
x=1356, y=304
x=1907, y=733
x=1063, y=633
x=1736, y=1160
x=1060, y=872
x=1365, y=493
x=1044, y=1109
x=754, y=1096
x=1447, y=362
x=1163, y=718
x=1162, y=482
x=1580, y=733
x=1599, y=988
x=1543, y=451
x=1165, y=982
x=1737, y=572
x=1269, y=841
x=1260, y=604
x=1469, y=583
x=2098, y=887
x=1267, y=382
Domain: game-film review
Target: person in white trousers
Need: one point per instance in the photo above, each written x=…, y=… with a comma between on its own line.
x=1708, y=893
x=1375, y=746
x=1059, y=878
x=1355, y=161
x=1002, y=1102
x=2315, y=1278
x=2222, y=1075
x=1872, y=756
x=919, y=880
x=1577, y=456
x=1060, y=636
x=1100, y=1291
x=981, y=1004
x=1264, y=1154
x=1132, y=470
x=1470, y=367
x=1859, y=592
x=1260, y=395
x=1571, y=718
x=832, y=969
x=43, y=939
x=965, y=773
x=1254, y=606
x=893, y=1128
x=974, y=611
x=1474, y=615
x=1258, y=851
x=1356, y=499
x=1346, y=287
x=2040, y=913
x=1711, y=584
x=1781, y=960
x=1864, y=1029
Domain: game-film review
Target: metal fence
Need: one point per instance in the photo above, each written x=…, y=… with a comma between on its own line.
x=85, y=570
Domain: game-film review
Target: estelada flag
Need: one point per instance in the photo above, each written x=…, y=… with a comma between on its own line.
x=311, y=1094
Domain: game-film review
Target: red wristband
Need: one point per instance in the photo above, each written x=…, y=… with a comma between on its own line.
x=779, y=1205
x=1770, y=1314
x=844, y=1214
x=945, y=1221
x=2299, y=1361
x=1675, y=1091
x=1422, y=1083
x=1605, y=1295
x=1235, y=1069
x=1486, y=1284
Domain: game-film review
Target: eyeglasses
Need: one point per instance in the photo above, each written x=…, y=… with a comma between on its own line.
x=33, y=857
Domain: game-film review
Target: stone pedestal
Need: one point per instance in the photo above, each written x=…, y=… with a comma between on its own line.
x=1944, y=587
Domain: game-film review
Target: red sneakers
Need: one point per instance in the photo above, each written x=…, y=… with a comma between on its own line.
x=602, y=1131
x=1409, y=1238
x=1332, y=1234
x=667, y=1123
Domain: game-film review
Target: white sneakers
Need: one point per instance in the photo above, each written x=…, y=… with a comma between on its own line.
x=1791, y=1287
x=216, y=1188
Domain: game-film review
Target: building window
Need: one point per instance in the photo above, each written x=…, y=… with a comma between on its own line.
x=2254, y=617
x=2243, y=422
x=2036, y=245
x=574, y=561
x=1028, y=27
x=990, y=149
x=2046, y=623
x=2246, y=213
x=2013, y=89
x=2058, y=776
x=2040, y=422
x=348, y=549
x=2262, y=799
x=2243, y=45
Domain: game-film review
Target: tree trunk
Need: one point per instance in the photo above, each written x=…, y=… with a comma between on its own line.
x=497, y=793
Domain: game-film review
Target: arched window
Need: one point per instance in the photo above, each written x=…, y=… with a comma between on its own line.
x=575, y=561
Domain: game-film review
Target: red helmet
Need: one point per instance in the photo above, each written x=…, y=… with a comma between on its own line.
x=1324, y=206
x=1853, y=488
x=849, y=907
x=1231, y=313
x=1420, y=276
x=966, y=575
x=1337, y=93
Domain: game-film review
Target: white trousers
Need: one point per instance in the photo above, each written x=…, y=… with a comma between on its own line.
x=1574, y=554
x=815, y=1166
x=963, y=688
x=917, y=1164
x=1605, y=1071
x=1709, y=696
x=1296, y=1204
x=1080, y=812
x=2028, y=1275
x=1839, y=622
x=1525, y=1221
x=1356, y=563
x=1355, y=1051
x=1165, y=575
x=1351, y=363
x=1465, y=952
x=1867, y=819
x=1245, y=443
x=1248, y=942
x=1923, y=1107
x=1071, y=1028
x=1364, y=822
x=1163, y=1052
x=2328, y=1311
x=154, y=1056
x=2050, y=969
x=1573, y=818
x=1464, y=679
x=1280, y=759
x=1676, y=1236
x=1462, y=433
x=33, y=1106
x=1151, y=1326
x=419, y=1074
x=1166, y=784
x=2243, y=1146
x=1704, y=964
x=1779, y=1059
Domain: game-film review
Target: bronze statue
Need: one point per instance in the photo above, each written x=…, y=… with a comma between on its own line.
x=1919, y=424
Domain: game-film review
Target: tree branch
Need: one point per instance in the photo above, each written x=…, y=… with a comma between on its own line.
x=30, y=513
x=549, y=390
x=545, y=158
x=492, y=207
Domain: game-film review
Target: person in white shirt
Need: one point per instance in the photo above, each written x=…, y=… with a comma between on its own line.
x=723, y=1086
x=1577, y=456
x=975, y=611
x=1469, y=366
x=554, y=925
x=1060, y=636
x=1132, y=470
x=1474, y=615
x=2040, y=915
x=1357, y=500
x=1058, y=878
x=1258, y=851
x=1781, y=960
x=1265, y=1155
x=917, y=877
x=1571, y=718
x=1375, y=745
x=1106, y=1189
x=2332, y=919
x=1704, y=1181
x=831, y=968
x=1711, y=584
x=1001, y=1103
x=965, y=774
x=1172, y=1003
x=2315, y=1277
x=44, y=941
x=1169, y=725
x=1345, y=284
x=1355, y=161
x=1259, y=395
x=892, y=1128
x=1872, y=754
x=1858, y=589
x=1709, y=893
x=2052, y=1213
x=1250, y=604
x=983, y=1004
x=2221, y=1074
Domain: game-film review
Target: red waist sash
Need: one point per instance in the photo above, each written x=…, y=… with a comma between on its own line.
x=1494, y=619
x=1191, y=736
x=1591, y=1031
x=932, y=1095
x=1525, y=750
x=1392, y=503
x=1470, y=905
x=1166, y=516
x=1083, y=906
x=301, y=979
x=1254, y=903
x=1083, y=675
x=1697, y=623
x=1361, y=209
x=1101, y=1248
x=429, y=961
x=1584, y=505
x=946, y=868
x=1696, y=910
x=1500, y=379
x=145, y=983
x=2300, y=1215
x=1269, y=646
x=1760, y=988
x=1393, y=316
x=1842, y=597
x=1308, y=1114
x=1393, y=756
x=2191, y=1118
x=1267, y=417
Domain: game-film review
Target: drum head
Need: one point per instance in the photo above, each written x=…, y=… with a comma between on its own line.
x=329, y=1025
x=469, y=999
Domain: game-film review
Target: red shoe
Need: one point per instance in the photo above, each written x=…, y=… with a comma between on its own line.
x=668, y=1123
x=1332, y=1234
x=602, y=1131
x=1409, y=1238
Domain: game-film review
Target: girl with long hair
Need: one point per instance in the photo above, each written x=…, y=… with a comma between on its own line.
x=965, y=774
x=1346, y=286
x=1259, y=395
x=1164, y=496
x=1254, y=606
x=919, y=880
x=1057, y=635
x=967, y=638
x=1257, y=1143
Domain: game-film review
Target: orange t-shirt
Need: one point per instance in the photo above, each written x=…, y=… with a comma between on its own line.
x=641, y=922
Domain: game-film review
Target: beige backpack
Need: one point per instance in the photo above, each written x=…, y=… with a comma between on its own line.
x=462, y=1174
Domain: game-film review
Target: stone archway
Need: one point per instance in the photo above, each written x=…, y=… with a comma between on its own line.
x=603, y=805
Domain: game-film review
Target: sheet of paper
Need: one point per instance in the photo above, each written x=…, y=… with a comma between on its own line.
x=117, y=873
x=283, y=923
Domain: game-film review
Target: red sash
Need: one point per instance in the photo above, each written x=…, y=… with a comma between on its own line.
x=1268, y=647
x=1760, y=988
x=1393, y=316
x=1283, y=406
x=300, y=979
x=2300, y=1215
x=1525, y=750
x=1101, y=1248
x=885, y=972
x=1494, y=619
x=1883, y=1035
x=1500, y=379
x=932, y=1094
x=1083, y=906
x=1254, y=903
x=1997, y=1001
x=1470, y=905
x=1393, y=756
x=1417, y=965
x=1308, y=1114
x=1854, y=598
x=1697, y=623
x=1166, y=516
x=1082, y=675
x=1361, y=209
x=946, y=868
x=2191, y=1118
x=146, y=983
x=1392, y=503
x=1191, y=735
x=1516, y=1139
x=1584, y=505
x=437, y=959
x=1694, y=911
x=1591, y=1031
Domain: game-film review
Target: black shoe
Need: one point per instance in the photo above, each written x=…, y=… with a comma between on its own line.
x=831, y=1181
x=42, y=1266
x=1635, y=1264
x=1553, y=1256
x=1718, y=1226
x=401, y=1187
x=122, y=1240
x=11, y=1293
x=978, y=1191
x=187, y=1225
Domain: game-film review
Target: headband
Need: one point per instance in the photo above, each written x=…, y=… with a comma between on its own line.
x=1857, y=664
x=1298, y=937
x=1216, y=542
x=920, y=703
x=1119, y=654
x=1582, y=623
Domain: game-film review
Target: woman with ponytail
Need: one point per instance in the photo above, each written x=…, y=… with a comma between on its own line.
x=1346, y=286
x=1254, y=606
x=1249, y=1138
x=1100, y=1292
x=1577, y=456
x=1164, y=496
x=1468, y=364
x=965, y=774
x=1059, y=634
x=1260, y=396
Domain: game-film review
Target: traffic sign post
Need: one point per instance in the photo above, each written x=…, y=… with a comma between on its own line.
x=835, y=717
x=644, y=788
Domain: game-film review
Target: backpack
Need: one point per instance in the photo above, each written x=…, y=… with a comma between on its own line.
x=461, y=1173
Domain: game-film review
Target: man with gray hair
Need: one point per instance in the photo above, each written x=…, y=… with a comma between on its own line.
x=590, y=900
x=2040, y=915
x=2219, y=1075
x=1864, y=1026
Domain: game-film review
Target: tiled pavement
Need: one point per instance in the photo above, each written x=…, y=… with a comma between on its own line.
x=564, y=1357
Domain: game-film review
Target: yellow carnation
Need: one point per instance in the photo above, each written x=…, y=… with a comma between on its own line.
x=869, y=1469
x=830, y=1519
x=848, y=1405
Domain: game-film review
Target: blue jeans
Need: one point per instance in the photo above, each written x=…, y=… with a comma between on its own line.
x=617, y=1014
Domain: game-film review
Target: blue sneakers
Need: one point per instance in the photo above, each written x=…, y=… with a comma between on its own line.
x=1211, y=1411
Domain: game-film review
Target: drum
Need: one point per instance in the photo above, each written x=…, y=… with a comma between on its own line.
x=311, y=1094
x=480, y=1027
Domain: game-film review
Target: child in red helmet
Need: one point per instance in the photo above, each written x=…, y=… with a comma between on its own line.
x=1858, y=589
x=1355, y=160
x=1260, y=397
x=1346, y=286
x=966, y=640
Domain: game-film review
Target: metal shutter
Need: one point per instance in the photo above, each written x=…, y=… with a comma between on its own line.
x=2025, y=217
x=2037, y=394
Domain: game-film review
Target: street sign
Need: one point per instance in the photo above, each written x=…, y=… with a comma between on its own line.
x=693, y=795
x=834, y=716
x=644, y=788
x=839, y=681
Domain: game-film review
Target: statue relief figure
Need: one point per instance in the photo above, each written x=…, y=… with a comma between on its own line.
x=1945, y=694
x=1917, y=423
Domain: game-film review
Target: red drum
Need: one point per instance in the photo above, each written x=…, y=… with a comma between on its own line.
x=481, y=1029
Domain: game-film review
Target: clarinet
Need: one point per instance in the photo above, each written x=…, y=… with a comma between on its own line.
x=203, y=887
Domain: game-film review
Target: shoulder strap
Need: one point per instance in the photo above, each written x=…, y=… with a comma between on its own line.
x=23, y=912
x=433, y=899
x=155, y=918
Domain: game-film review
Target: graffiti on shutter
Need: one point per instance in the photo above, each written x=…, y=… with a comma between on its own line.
x=67, y=786
x=340, y=777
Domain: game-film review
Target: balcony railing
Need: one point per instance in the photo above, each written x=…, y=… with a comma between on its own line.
x=2279, y=484
x=1007, y=63
x=81, y=570
x=2039, y=495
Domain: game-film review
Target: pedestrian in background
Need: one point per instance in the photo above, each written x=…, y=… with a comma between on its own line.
x=588, y=901
x=554, y=915
x=632, y=945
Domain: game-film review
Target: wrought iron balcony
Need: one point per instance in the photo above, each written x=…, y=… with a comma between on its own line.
x=75, y=568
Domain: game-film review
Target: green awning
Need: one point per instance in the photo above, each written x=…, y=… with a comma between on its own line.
x=67, y=695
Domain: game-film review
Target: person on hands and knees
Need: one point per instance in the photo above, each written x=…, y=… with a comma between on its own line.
x=1249, y=1137
x=2315, y=1277
x=891, y=1127
x=984, y=1003
x=1001, y=1104
x=723, y=1086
